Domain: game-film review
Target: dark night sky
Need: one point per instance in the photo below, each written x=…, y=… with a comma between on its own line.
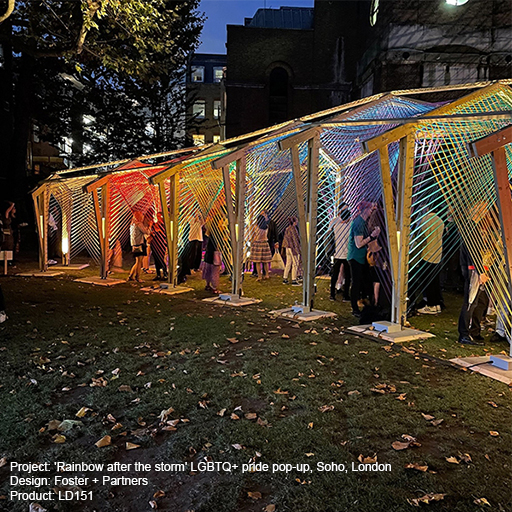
x=220, y=13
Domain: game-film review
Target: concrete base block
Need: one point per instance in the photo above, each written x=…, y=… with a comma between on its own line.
x=231, y=299
x=394, y=337
x=100, y=282
x=484, y=365
x=309, y=316
x=502, y=362
x=40, y=274
x=71, y=266
x=167, y=291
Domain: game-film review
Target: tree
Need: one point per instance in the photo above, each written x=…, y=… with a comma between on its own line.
x=118, y=48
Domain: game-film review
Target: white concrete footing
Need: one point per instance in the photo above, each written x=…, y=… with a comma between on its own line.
x=394, y=337
x=485, y=366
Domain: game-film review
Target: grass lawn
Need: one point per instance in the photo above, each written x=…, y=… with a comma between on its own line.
x=189, y=382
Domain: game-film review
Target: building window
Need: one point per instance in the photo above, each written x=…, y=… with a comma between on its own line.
x=199, y=109
x=216, y=109
x=198, y=139
x=197, y=74
x=216, y=139
x=218, y=74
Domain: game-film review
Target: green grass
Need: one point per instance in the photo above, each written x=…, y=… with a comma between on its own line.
x=179, y=345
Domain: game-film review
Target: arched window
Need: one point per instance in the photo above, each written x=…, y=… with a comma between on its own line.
x=278, y=95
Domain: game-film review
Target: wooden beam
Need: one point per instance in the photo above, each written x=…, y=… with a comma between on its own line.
x=504, y=198
x=400, y=132
x=167, y=224
x=490, y=143
x=225, y=160
x=240, y=191
x=391, y=227
x=403, y=211
x=298, y=138
x=312, y=218
x=230, y=210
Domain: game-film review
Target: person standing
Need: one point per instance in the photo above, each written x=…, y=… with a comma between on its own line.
x=341, y=229
x=212, y=265
x=158, y=244
x=138, y=232
x=432, y=229
x=475, y=274
x=358, y=240
x=291, y=243
x=195, y=239
x=260, y=250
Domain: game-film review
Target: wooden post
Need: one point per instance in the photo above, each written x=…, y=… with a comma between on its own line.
x=41, y=205
x=504, y=198
x=171, y=274
x=105, y=219
x=391, y=228
x=173, y=229
x=307, y=215
x=301, y=209
x=403, y=220
x=236, y=220
x=66, y=229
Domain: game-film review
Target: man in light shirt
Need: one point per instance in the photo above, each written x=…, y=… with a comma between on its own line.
x=341, y=228
x=432, y=229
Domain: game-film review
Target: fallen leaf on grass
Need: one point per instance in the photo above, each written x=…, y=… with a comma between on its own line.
x=427, y=498
x=452, y=460
x=234, y=416
x=159, y=494
x=418, y=467
x=428, y=417
x=270, y=508
x=132, y=446
x=285, y=336
x=59, y=439
x=309, y=454
x=437, y=422
x=354, y=392
x=82, y=412
x=494, y=433
x=3, y=462
x=237, y=446
x=221, y=412
x=165, y=413
x=254, y=495
x=251, y=416
x=310, y=425
x=233, y=340
x=326, y=408
x=409, y=441
x=492, y=404
x=153, y=504
x=104, y=441
x=481, y=502
x=402, y=396
x=367, y=460
x=397, y=445
x=279, y=392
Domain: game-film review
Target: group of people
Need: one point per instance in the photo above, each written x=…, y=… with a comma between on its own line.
x=142, y=234
x=148, y=237
x=356, y=254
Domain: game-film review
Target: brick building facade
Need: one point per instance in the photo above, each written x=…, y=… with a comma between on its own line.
x=288, y=62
